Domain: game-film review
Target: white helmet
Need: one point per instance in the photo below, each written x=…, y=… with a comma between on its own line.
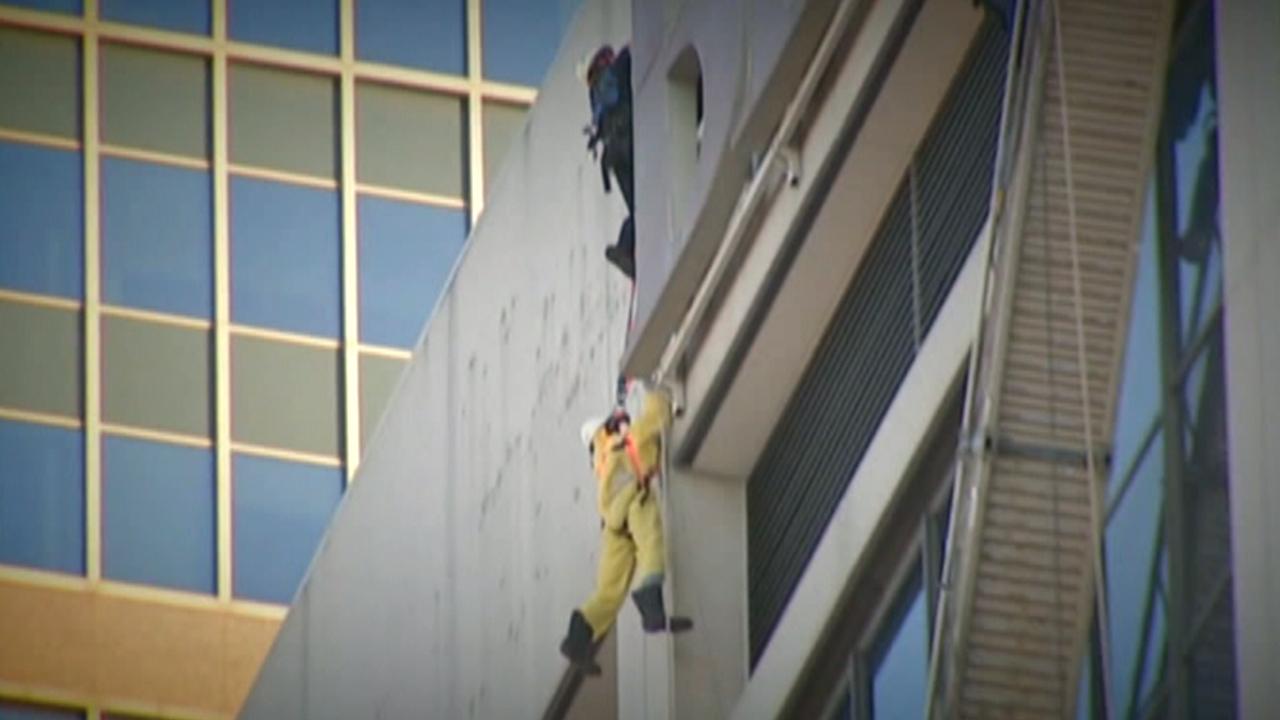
x=588, y=431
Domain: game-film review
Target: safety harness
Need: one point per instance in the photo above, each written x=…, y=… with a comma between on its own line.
x=643, y=474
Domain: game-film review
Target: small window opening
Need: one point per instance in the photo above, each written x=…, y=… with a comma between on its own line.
x=685, y=123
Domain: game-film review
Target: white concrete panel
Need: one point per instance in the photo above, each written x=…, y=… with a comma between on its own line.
x=707, y=531
x=445, y=582
x=734, y=45
x=879, y=478
x=1248, y=115
x=843, y=229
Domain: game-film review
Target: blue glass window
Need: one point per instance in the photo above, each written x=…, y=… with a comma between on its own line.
x=26, y=711
x=158, y=514
x=280, y=512
x=157, y=237
x=40, y=82
x=1132, y=545
x=521, y=37
x=426, y=34
x=182, y=15
x=1140, y=392
x=310, y=25
x=406, y=253
x=42, y=497
x=41, y=220
x=285, y=257
x=901, y=671
x=70, y=7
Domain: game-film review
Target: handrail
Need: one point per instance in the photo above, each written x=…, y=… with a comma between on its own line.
x=971, y=442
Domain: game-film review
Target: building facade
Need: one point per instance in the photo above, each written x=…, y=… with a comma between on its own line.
x=876, y=241
x=222, y=228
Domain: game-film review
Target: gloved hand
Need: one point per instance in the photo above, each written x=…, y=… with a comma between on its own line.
x=613, y=424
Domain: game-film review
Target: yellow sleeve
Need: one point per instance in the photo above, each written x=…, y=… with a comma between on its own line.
x=646, y=432
x=600, y=466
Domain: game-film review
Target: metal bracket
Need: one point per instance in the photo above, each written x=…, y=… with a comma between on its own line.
x=790, y=158
x=1005, y=447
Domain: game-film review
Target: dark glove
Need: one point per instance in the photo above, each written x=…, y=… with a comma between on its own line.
x=614, y=423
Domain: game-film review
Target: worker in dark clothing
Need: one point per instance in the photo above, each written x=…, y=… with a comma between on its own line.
x=609, y=135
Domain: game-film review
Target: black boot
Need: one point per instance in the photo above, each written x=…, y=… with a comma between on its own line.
x=623, y=253
x=577, y=646
x=653, y=615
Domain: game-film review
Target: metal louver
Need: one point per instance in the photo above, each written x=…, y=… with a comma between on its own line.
x=874, y=336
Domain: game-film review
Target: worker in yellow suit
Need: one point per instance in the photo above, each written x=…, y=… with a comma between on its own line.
x=625, y=457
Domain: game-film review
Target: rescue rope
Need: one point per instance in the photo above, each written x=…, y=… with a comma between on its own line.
x=624, y=383
x=1095, y=515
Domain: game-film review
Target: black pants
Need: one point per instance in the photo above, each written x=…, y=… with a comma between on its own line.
x=619, y=161
x=623, y=172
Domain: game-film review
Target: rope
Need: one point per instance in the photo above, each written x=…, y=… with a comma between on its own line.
x=1100, y=592
x=623, y=388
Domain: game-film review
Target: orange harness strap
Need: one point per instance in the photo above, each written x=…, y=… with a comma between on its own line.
x=637, y=465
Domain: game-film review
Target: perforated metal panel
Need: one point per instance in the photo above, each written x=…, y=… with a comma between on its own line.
x=1023, y=554
x=872, y=339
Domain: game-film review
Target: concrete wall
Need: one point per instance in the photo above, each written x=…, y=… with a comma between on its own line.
x=752, y=54
x=1248, y=114
x=444, y=585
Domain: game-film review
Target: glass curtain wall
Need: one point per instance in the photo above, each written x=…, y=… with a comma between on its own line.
x=222, y=228
x=1167, y=544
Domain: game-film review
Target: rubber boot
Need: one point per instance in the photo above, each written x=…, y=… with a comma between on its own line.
x=577, y=646
x=653, y=616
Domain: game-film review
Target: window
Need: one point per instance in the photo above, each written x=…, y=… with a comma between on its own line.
x=40, y=82
x=158, y=505
x=900, y=665
x=684, y=110
x=280, y=512
x=283, y=120
x=42, y=497
x=406, y=254
x=1139, y=393
x=40, y=359
x=285, y=257
x=157, y=237
x=156, y=376
x=502, y=125
x=155, y=100
x=181, y=15
x=310, y=25
x=41, y=220
x=409, y=139
x=378, y=378
x=521, y=37
x=285, y=396
x=427, y=34
x=1131, y=553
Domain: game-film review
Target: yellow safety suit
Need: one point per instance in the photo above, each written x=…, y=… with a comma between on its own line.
x=631, y=532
